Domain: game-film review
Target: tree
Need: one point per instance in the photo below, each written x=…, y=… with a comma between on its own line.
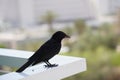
x=48, y=18
x=117, y=23
x=80, y=26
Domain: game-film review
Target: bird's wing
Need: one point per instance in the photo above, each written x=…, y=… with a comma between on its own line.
x=46, y=51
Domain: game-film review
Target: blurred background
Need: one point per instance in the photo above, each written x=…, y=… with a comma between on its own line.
x=94, y=27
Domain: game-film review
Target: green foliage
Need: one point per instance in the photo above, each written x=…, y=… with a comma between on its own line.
x=99, y=48
x=80, y=26
x=99, y=63
x=2, y=46
x=115, y=59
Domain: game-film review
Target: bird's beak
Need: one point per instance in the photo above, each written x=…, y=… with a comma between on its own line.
x=67, y=36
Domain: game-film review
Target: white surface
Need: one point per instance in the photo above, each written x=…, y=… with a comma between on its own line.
x=15, y=53
x=67, y=66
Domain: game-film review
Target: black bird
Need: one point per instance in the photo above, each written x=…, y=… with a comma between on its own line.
x=48, y=50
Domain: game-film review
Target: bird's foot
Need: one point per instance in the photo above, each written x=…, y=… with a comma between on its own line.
x=51, y=65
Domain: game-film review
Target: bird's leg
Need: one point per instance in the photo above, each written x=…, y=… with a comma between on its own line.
x=47, y=63
x=50, y=65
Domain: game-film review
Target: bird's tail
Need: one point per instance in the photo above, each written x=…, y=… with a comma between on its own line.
x=24, y=66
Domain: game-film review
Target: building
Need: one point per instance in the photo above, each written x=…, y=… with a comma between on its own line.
x=25, y=13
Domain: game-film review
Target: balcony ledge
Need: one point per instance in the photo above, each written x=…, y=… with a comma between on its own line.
x=68, y=66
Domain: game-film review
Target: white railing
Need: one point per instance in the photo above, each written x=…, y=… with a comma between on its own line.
x=67, y=66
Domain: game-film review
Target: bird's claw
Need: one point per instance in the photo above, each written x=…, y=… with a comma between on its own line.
x=52, y=65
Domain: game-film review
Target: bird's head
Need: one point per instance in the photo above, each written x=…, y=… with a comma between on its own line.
x=59, y=35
